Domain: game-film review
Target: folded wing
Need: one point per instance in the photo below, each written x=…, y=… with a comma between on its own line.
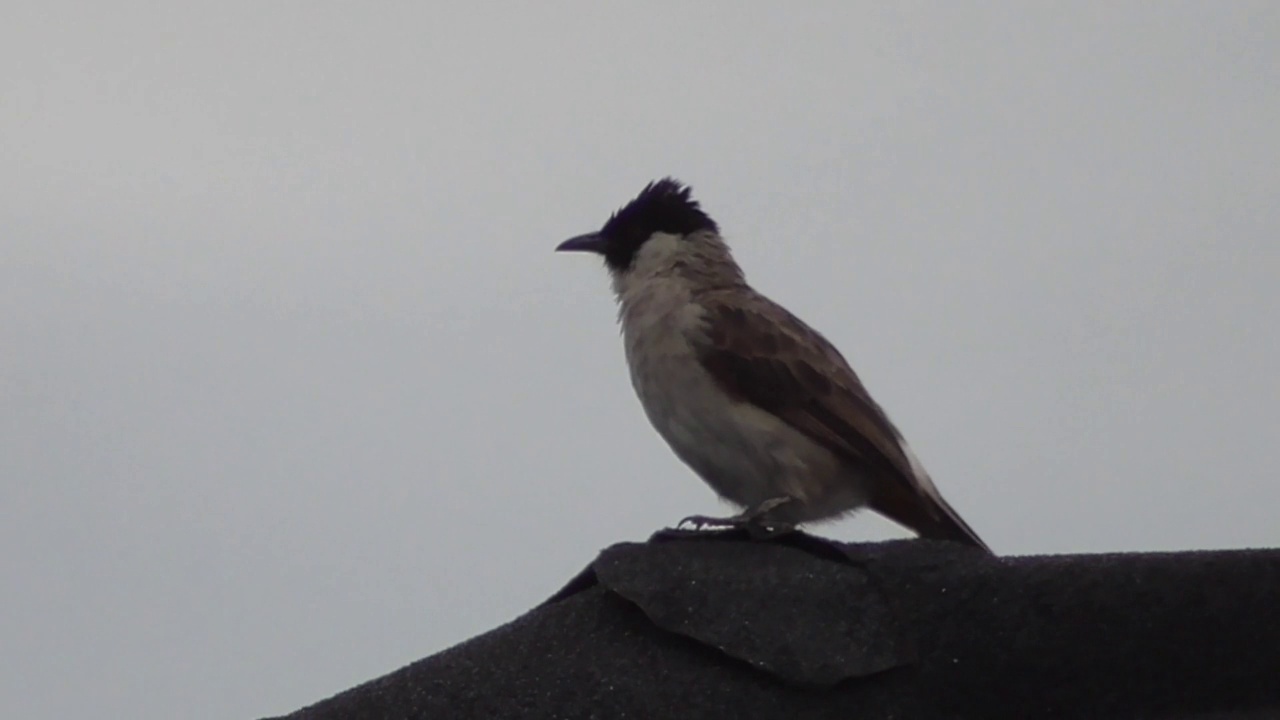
x=762, y=354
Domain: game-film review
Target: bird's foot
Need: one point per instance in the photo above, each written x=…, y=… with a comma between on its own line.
x=706, y=522
x=754, y=520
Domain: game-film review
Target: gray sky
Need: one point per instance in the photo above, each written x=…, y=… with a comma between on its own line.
x=296, y=392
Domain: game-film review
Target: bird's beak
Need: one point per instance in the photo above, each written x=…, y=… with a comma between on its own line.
x=591, y=242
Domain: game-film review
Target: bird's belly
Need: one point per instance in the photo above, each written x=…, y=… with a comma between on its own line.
x=744, y=453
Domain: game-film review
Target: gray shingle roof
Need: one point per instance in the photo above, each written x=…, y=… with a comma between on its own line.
x=698, y=626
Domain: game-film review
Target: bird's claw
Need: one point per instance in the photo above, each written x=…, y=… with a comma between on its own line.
x=703, y=522
x=754, y=521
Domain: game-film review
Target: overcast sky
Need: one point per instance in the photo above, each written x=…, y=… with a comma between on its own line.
x=295, y=390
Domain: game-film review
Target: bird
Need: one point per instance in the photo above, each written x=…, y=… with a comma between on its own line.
x=760, y=406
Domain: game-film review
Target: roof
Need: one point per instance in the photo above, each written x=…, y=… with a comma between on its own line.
x=717, y=625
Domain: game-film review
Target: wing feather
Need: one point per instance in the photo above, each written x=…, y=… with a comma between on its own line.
x=762, y=354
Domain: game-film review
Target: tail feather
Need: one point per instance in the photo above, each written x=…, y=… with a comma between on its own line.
x=927, y=514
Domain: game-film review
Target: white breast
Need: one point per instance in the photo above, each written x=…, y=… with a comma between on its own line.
x=745, y=454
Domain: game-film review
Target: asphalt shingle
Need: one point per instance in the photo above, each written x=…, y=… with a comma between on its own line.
x=721, y=626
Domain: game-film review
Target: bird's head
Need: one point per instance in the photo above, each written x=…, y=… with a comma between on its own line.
x=662, y=219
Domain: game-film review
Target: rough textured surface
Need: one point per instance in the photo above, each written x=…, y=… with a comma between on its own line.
x=700, y=626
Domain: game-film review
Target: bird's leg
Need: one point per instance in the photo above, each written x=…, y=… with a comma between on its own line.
x=754, y=520
x=758, y=523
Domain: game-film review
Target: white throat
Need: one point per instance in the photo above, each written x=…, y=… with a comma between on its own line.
x=656, y=261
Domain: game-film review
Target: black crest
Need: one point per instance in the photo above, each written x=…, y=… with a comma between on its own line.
x=663, y=206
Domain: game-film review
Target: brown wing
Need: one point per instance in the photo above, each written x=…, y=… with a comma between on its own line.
x=764, y=355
